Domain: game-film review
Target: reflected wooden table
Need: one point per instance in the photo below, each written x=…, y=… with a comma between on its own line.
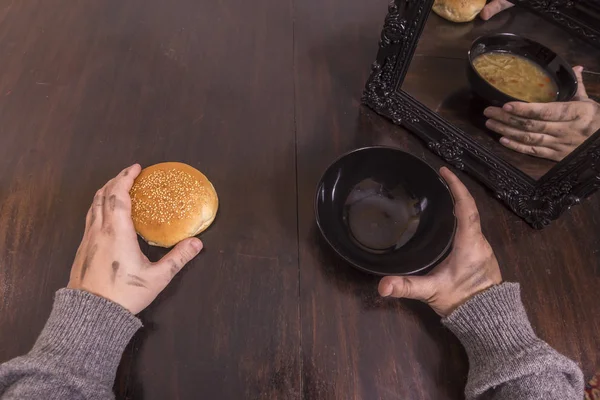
x=261, y=96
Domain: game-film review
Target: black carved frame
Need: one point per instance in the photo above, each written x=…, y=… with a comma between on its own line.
x=538, y=202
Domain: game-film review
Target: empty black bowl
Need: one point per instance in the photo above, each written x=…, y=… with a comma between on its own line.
x=554, y=65
x=385, y=211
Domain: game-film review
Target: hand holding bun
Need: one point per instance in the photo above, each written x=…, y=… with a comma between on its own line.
x=458, y=10
x=171, y=202
x=109, y=262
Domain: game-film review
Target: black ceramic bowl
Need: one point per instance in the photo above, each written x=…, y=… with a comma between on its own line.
x=385, y=211
x=554, y=65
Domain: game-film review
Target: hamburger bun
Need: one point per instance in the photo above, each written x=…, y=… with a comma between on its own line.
x=458, y=10
x=170, y=202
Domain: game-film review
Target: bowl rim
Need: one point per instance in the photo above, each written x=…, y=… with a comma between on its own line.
x=439, y=258
x=570, y=95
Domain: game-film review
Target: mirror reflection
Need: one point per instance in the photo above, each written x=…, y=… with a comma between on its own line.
x=517, y=84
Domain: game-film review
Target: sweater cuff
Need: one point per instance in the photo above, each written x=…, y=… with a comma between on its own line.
x=86, y=334
x=493, y=324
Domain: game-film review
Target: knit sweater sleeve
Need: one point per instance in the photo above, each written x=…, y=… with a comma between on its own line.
x=77, y=354
x=506, y=359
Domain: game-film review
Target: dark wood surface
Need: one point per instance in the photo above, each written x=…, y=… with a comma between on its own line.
x=261, y=96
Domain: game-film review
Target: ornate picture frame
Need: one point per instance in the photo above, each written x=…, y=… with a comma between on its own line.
x=537, y=201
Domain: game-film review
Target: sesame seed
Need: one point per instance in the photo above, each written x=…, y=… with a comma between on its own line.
x=164, y=196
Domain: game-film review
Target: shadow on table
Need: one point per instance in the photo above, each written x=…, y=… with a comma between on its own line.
x=349, y=281
x=127, y=385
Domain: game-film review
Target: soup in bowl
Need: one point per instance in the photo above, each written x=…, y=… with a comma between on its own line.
x=505, y=67
x=516, y=76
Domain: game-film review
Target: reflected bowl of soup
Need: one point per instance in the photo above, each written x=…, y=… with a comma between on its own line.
x=504, y=67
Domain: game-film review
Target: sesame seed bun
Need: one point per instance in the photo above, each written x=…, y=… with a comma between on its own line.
x=458, y=10
x=170, y=202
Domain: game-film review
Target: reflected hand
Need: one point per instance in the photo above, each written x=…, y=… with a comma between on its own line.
x=547, y=130
x=470, y=268
x=109, y=262
x=494, y=7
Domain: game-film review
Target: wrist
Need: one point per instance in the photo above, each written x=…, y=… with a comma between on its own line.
x=85, y=334
x=477, y=285
x=493, y=323
x=478, y=291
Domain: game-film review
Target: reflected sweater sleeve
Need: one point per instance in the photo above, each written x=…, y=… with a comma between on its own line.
x=77, y=354
x=506, y=359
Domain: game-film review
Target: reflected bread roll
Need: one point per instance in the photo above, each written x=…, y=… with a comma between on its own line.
x=458, y=10
x=170, y=202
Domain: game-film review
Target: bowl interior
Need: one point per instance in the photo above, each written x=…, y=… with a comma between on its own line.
x=558, y=69
x=385, y=211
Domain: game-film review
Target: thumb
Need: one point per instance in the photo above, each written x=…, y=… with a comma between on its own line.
x=408, y=287
x=581, y=93
x=180, y=255
x=493, y=8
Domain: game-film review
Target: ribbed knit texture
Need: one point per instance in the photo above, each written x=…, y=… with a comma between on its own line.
x=77, y=353
x=506, y=359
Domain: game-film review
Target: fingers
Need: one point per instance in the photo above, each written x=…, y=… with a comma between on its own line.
x=465, y=208
x=121, y=184
x=581, y=92
x=88, y=218
x=508, y=125
x=114, y=195
x=523, y=124
x=530, y=138
x=408, y=287
x=124, y=181
x=493, y=8
x=531, y=143
x=557, y=112
x=95, y=214
x=180, y=255
x=117, y=190
x=536, y=151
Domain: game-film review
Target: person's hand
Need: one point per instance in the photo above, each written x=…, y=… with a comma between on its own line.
x=547, y=130
x=109, y=262
x=470, y=268
x=494, y=7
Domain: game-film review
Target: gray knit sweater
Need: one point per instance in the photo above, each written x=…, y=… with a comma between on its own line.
x=77, y=353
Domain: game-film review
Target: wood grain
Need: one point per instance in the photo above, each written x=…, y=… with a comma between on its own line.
x=95, y=87
x=356, y=346
x=256, y=95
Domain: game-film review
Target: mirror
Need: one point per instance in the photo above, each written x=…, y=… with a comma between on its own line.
x=437, y=78
x=432, y=77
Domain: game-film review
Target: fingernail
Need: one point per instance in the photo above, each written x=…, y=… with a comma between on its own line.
x=386, y=290
x=508, y=107
x=504, y=140
x=196, y=244
x=487, y=111
x=578, y=68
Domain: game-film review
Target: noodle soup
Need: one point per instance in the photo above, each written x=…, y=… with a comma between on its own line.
x=516, y=76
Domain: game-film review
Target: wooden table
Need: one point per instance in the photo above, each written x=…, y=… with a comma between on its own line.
x=261, y=96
